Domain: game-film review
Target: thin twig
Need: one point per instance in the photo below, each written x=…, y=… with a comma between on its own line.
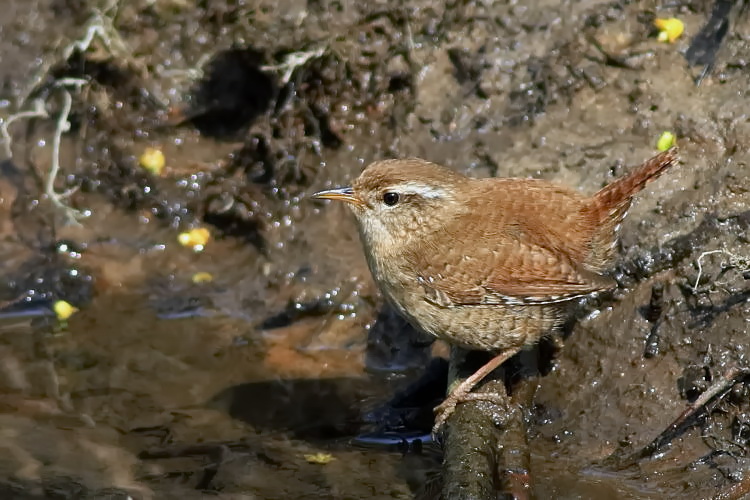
x=714, y=393
x=293, y=61
x=38, y=111
x=62, y=126
x=192, y=73
x=101, y=26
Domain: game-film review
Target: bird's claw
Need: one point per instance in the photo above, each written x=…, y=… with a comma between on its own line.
x=445, y=409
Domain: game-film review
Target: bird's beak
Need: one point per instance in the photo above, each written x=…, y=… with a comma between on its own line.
x=342, y=194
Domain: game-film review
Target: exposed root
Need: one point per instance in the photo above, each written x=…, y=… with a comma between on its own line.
x=705, y=403
x=486, y=453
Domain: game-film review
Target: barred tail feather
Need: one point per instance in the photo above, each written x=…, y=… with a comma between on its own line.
x=619, y=192
x=609, y=206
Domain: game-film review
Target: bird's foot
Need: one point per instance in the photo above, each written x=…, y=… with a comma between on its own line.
x=462, y=395
x=462, y=392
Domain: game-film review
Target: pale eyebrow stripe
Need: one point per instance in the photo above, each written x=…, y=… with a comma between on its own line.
x=420, y=189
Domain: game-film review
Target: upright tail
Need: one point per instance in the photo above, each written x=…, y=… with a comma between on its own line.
x=619, y=192
x=608, y=207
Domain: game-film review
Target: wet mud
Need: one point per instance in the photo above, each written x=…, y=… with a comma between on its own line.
x=280, y=373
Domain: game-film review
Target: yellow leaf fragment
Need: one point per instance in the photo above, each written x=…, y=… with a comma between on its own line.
x=195, y=238
x=670, y=29
x=202, y=277
x=319, y=458
x=666, y=141
x=64, y=310
x=152, y=160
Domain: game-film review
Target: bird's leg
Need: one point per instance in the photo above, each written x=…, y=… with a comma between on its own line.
x=462, y=392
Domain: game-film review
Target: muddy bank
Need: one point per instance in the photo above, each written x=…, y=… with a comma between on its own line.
x=254, y=384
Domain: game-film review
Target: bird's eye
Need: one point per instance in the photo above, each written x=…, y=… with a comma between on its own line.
x=390, y=198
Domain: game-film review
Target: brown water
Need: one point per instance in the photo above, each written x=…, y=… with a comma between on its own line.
x=164, y=388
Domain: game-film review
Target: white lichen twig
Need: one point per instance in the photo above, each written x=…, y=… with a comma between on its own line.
x=37, y=111
x=193, y=73
x=293, y=61
x=99, y=26
x=62, y=126
x=737, y=261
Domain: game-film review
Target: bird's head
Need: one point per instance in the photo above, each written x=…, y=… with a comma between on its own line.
x=396, y=201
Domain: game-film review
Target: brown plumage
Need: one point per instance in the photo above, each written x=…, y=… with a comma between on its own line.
x=487, y=263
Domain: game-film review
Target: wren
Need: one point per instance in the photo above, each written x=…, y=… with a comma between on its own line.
x=486, y=264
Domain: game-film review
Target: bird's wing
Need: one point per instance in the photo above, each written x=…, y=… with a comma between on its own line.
x=510, y=259
x=513, y=274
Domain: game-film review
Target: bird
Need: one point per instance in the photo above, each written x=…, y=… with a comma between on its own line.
x=486, y=264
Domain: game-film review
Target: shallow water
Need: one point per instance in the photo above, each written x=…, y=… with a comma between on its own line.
x=256, y=384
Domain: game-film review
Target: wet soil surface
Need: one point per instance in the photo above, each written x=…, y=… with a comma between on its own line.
x=273, y=378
